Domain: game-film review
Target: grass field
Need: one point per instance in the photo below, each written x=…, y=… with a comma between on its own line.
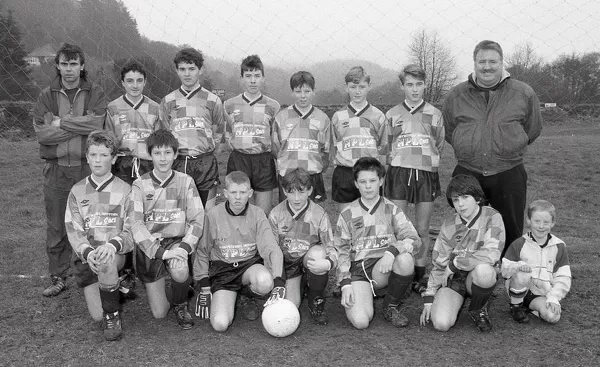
x=563, y=166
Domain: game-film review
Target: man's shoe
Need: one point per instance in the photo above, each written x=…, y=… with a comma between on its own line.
x=392, y=313
x=58, y=285
x=249, y=308
x=420, y=286
x=126, y=286
x=317, y=311
x=518, y=313
x=112, y=326
x=184, y=318
x=482, y=319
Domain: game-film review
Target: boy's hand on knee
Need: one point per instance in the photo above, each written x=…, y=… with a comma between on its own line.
x=554, y=307
x=524, y=267
x=105, y=254
x=426, y=314
x=93, y=262
x=347, y=296
x=386, y=262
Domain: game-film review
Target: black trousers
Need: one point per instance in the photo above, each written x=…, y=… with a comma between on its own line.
x=507, y=193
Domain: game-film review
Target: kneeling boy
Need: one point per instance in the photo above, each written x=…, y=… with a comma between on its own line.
x=376, y=245
x=237, y=241
x=464, y=255
x=167, y=219
x=536, y=267
x=306, y=239
x=96, y=227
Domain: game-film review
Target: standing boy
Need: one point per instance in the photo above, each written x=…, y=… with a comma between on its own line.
x=96, y=225
x=237, y=241
x=167, y=218
x=536, y=267
x=306, y=239
x=358, y=130
x=416, y=141
x=301, y=137
x=376, y=244
x=464, y=254
x=197, y=119
x=65, y=113
x=132, y=117
x=249, y=133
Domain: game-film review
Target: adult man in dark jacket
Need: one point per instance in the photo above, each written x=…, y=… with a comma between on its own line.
x=490, y=119
x=65, y=113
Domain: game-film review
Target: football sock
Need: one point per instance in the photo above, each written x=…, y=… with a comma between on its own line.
x=316, y=285
x=110, y=300
x=419, y=273
x=397, y=286
x=180, y=292
x=246, y=291
x=480, y=296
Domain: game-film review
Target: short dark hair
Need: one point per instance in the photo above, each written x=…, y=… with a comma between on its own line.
x=252, y=62
x=132, y=65
x=102, y=137
x=356, y=74
x=237, y=177
x=301, y=78
x=296, y=179
x=464, y=185
x=189, y=56
x=161, y=138
x=413, y=70
x=488, y=45
x=368, y=164
x=71, y=52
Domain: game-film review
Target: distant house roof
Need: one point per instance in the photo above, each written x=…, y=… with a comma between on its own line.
x=43, y=51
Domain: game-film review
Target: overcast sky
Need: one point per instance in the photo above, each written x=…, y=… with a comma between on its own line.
x=295, y=33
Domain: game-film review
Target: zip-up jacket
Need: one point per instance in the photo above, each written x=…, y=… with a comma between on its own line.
x=490, y=128
x=550, y=269
x=66, y=144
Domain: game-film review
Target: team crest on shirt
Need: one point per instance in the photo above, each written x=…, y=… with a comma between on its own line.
x=358, y=223
x=122, y=119
x=458, y=238
x=346, y=123
x=149, y=196
x=85, y=203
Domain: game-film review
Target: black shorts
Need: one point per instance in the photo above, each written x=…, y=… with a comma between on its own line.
x=343, y=189
x=123, y=168
x=203, y=169
x=412, y=185
x=294, y=268
x=529, y=297
x=259, y=167
x=458, y=283
x=150, y=270
x=362, y=270
x=318, y=194
x=226, y=276
x=84, y=276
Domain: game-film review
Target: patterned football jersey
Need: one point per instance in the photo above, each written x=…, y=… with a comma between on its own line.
x=358, y=134
x=250, y=123
x=463, y=246
x=367, y=233
x=165, y=209
x=96, y=213
x=301, y=141
x=416, y=136
x=197, y=120
x=132, y=123
x=298, y=232
x=234, y=238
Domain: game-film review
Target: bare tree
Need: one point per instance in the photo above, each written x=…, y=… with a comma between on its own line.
x=524, y=61
x=428, y=50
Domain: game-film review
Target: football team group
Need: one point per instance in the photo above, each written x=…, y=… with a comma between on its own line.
x=130, y=189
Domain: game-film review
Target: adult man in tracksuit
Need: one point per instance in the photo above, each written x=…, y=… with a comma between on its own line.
x=65, y=113
x=490, y=119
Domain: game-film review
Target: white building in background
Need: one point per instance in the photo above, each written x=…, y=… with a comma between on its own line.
x=41, y=55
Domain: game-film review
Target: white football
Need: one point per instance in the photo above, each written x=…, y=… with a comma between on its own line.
x=281, y=318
